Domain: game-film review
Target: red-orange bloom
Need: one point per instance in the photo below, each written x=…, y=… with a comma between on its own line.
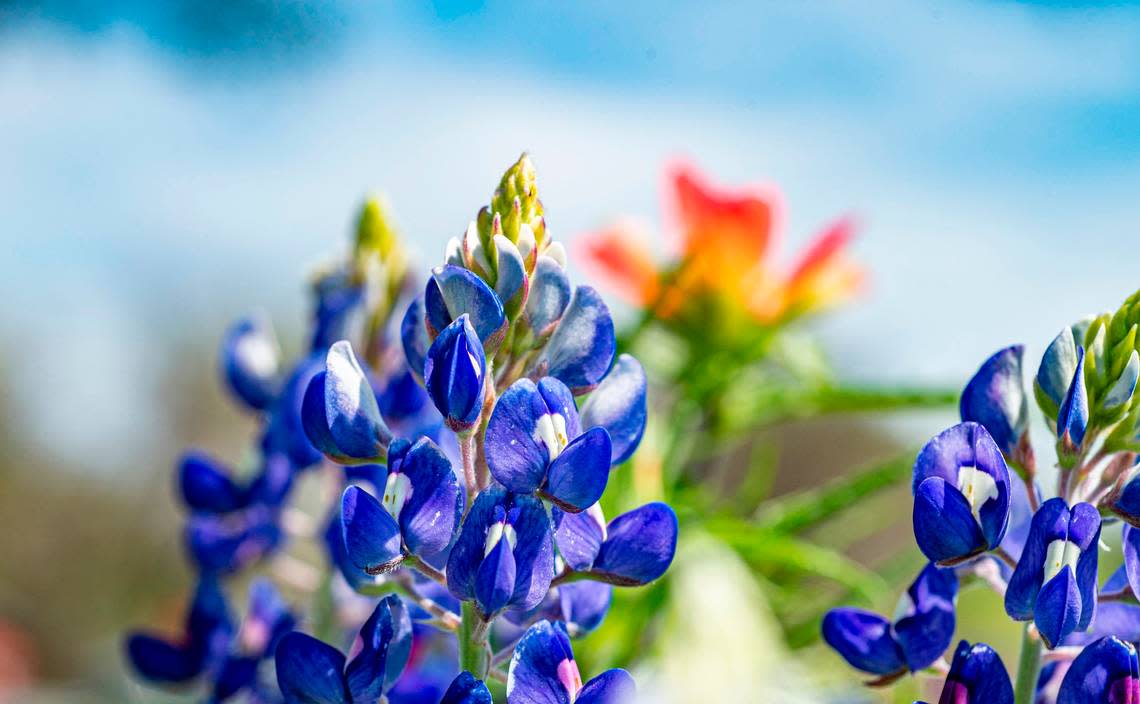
x=726, y=239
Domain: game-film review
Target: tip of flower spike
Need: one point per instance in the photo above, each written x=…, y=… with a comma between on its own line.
x=375, y=231
x=514, y=204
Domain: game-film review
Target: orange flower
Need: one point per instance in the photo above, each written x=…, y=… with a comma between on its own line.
x=726, y=242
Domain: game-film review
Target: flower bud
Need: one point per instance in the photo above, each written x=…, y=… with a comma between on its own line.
x=454, y=372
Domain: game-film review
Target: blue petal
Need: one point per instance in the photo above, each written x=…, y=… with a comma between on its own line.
x=944, y=528
x=467, y=553
x=610, y=687
x=1125, y=385
x=926, y=631
x=402, y=397
x=510, y=275
x=640, y=546
x=1073, y=416
x=559, y=399
x=385, y=643
x=206, y=486
x=495, y=580
x=235, y=674
x=1055, y=374
x=1127, y=505
x=315, y=422
x=582, y=347
x=351, y=410
x=310, y=672
x=339, y=313
x=454, y=291
x=1084, y=530
x=430, y=518
x=1058, y=607
x=1105, y=671
x=267, y=620
x=584, y=605
x=1113, y=618
x=579, y=536
x=533, y=676
x=467, y=690
x=155, y=659
x=515, y=457
x=1050, y=522
x=251, y=361
x=414, y=336
x=619, y=406
x=578, y=476
x=285, y=433
x=995, y=397
x=227, y=545
x=549, y=296
x=978, y=670
x=272, y=485
x=534, y=552
x=454, y=374
x=371, y=535
x=1130, y=538
x=969, y=445
x=864, y=640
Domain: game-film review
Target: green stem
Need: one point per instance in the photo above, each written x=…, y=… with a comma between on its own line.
x=474, y=652
x=1028, y=667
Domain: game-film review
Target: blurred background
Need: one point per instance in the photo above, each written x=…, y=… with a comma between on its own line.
x=166, y=167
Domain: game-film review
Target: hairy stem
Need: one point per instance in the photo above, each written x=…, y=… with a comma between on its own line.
x=1028, y=667
x=474, y=652
x=467, y=453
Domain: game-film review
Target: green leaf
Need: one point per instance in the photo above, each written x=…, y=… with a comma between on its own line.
x=804, y=509
x=764, y=550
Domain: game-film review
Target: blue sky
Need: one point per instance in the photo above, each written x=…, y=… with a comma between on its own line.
x=171, y=168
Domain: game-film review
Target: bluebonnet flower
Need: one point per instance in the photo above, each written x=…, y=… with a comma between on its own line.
x=504, y=557
x=618, y=404
x=995, y=398
x=212, y=647
x=1105, y=672
x=977, y=676
x=1055, y=580
x=414, y=337
x=635, y=548
x=543, y=671
x=922, y=629
x=284, y=432
x=206, y=486
x=251, y=362
x=340, y=413
x=225, y=544
x=454, y=291
x=581, y=348
x=338, y=313
x=535, y=444
x=418, y=514
x=310, y=671
x=961, y=495
x=466, y=689
x=455, y=372
x=205, y=639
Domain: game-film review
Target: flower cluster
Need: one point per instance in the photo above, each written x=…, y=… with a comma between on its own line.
x=980, y=514
x=469, y=427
